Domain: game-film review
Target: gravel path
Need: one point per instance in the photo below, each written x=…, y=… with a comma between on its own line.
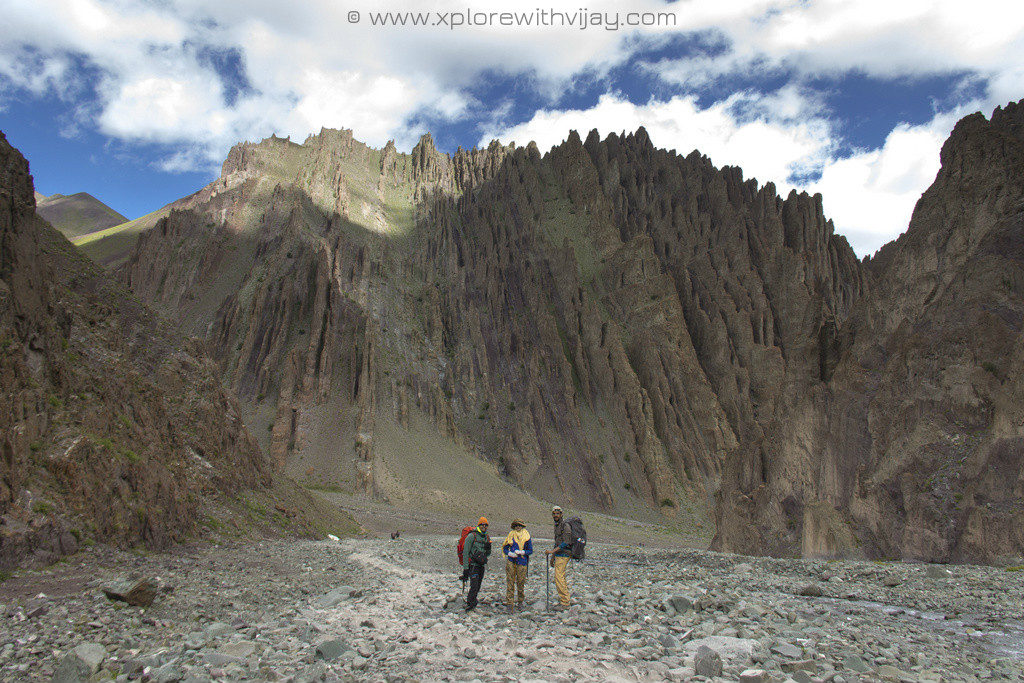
x=372, y=609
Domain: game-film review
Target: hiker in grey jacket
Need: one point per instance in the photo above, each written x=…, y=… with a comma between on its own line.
x=560, y=554
x=474, y=558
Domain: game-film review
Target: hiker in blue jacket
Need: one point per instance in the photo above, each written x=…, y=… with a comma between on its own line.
x=517, y=548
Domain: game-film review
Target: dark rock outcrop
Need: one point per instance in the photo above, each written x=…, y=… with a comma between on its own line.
x=111, y=427
x=913, y=446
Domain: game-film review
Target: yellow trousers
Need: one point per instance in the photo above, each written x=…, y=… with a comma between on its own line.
x=515, y=577
x=561, y=563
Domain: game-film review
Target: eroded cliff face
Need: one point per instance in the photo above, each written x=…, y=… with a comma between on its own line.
x=913, y=448
x=111, y=427
x=607, y=324
x=621, y=328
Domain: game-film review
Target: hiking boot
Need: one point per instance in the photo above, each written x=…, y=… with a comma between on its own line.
x=470, y=608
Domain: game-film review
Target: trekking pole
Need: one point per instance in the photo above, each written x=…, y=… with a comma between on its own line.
x=547, y=586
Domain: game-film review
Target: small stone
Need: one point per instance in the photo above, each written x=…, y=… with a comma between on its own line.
x=36, y=611
x=855, y=664
x=753, y=676
x=217, y=629
x=800, y=665
x=92, y=654
x=168, y=673
x=312, y=674
x=890, y=673
x=330, y=650
x=681, y=603
x=935, y=571
x=787, y=650
x=707, y=663
x=240, y=649
x=334, y=597
x=219, y=658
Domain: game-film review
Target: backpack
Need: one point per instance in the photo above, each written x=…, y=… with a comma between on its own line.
x=579, y=538
x=462, y=541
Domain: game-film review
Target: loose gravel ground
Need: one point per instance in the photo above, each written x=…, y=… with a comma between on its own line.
x=382, y=610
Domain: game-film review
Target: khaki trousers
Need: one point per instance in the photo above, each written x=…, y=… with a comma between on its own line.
x=561, y=563
x=515, y=577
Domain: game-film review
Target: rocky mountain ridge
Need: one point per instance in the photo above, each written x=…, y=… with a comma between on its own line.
x=618, y=327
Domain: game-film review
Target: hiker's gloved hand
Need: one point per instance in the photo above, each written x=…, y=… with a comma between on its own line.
x=465, y=575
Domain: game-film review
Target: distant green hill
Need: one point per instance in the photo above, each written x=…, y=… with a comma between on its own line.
x=77, y=214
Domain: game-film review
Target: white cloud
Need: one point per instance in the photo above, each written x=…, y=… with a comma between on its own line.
x=38, y=75
x=187, y=159
x=374, y=106
x=871, y=194
x=877, y=37
x=163, y=108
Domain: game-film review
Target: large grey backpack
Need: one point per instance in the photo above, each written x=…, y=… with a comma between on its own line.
x=579, y=538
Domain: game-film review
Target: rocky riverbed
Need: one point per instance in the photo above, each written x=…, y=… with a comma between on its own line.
x=371, y=609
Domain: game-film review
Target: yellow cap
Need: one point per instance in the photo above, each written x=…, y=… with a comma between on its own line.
x=483, y=520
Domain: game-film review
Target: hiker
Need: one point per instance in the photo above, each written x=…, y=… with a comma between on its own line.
x=475, y=553
x=517, y=548
x=559, y=556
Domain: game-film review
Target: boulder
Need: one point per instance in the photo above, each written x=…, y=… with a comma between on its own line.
x=80, y=664
x=811, y=590
x=727, y=647
x=139, y=592
x=707, y=662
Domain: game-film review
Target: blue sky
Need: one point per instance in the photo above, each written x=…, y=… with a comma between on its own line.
x=137, y=102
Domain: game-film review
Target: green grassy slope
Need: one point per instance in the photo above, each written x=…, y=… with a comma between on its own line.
x=77, y=214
